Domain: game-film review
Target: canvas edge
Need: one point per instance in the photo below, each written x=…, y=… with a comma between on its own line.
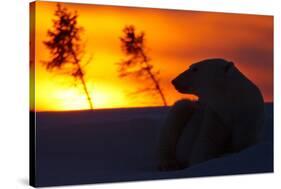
x=32, y=158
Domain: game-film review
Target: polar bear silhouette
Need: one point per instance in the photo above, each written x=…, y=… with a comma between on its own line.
x=227, y=118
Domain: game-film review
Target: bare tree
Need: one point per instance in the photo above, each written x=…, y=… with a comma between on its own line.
x=64, y=44
x=138, y=64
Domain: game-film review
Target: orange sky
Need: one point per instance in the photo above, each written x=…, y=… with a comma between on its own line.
x=174, y=40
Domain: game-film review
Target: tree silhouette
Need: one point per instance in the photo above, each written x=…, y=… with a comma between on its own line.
x=64, y=44
x=138, y=64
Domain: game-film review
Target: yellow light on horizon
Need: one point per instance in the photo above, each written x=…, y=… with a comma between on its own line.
x=173, y=39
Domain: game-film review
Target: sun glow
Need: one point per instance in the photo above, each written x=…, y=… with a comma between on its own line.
x=174, y=40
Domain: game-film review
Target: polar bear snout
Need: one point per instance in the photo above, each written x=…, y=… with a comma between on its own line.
x=178, y=84
x=182, y=84
x=174, y=82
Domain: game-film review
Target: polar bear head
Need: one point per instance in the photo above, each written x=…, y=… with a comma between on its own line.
x=204, y=77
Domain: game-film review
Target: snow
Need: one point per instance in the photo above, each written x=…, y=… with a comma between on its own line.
x=113, y=145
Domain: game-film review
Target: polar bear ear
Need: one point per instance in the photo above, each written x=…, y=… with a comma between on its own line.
x=228, y=67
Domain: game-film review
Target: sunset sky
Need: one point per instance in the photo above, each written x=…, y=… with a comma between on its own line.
x=174, y=40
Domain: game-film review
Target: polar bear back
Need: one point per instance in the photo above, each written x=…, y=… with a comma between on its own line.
x=241, y=107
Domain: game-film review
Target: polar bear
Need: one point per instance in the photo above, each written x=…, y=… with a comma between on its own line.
x=231, y=114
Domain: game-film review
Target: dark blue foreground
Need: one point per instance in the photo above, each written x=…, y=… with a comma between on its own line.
x=121, y=145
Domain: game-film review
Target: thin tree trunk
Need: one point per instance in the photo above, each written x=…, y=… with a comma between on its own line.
x=81, y=77
x=157, y=87
x=156, y=83
x=86, y=91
